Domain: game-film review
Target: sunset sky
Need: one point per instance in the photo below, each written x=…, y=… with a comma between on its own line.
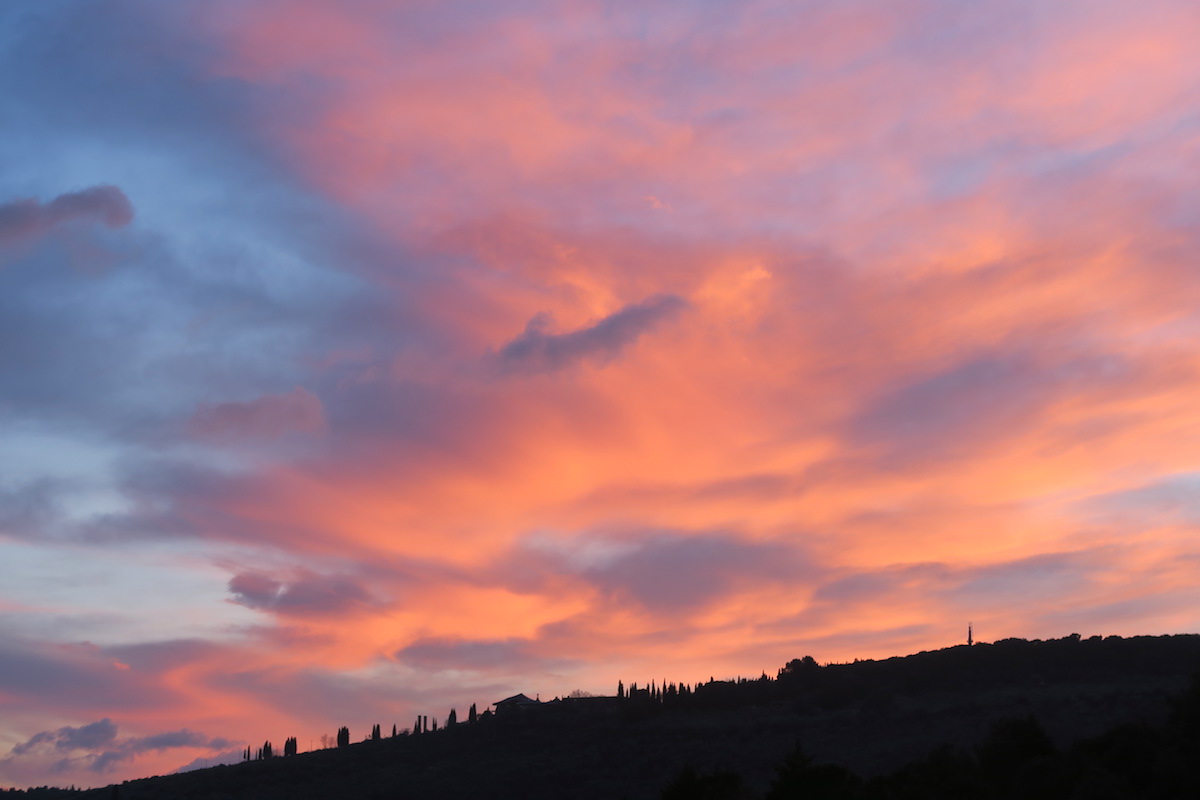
x=365, y=359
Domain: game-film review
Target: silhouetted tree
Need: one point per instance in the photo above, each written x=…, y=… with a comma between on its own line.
x=688, y=785
x=394, y=732
x=290, y=746
x=452, y=719
x=343, y=737
x=472, y=715
x=620, y=690
x=1185, y=714
x=376, y=734
x=797, y=668
x=1011, y=744
x=797, y=776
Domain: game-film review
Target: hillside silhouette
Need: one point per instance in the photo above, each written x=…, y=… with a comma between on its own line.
x=1073, y=717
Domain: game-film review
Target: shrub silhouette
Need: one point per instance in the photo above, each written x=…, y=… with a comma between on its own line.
x=799, y=777
x=689, y=785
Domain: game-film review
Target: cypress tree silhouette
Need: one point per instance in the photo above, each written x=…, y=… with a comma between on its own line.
x=472, y=715
x=290, y=746
x=452, y=719
x=343, y=737
x=266, y=751
x=394, y=731
x=417, y=725
x=376, y=734
x=620, y=690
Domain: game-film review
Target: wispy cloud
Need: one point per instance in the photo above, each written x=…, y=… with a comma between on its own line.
x=536, y=349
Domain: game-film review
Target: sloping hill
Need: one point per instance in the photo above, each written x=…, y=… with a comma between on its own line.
x=873, y=717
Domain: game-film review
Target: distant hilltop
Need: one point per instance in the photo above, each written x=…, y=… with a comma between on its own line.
x=986, y=713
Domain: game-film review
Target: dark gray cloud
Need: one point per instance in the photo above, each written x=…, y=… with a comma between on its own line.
x=307, y=593
x=97, y=747
x=28, y=218
x=538, y=350
x=86, y=737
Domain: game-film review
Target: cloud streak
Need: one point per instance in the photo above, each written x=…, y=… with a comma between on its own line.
x=536, y=349
x=30, y=218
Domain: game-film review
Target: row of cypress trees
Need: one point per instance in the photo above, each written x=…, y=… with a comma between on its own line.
x=423, y=725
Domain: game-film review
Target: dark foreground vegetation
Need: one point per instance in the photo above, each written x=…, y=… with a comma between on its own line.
x=1066, y=718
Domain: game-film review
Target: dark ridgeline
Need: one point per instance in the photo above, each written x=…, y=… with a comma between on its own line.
x=1062, y=718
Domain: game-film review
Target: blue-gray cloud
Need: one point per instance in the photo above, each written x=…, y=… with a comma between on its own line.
x=538, y=350
x=85, y=737
x=659, y=570
x=97, y=747
x=28, y=218
x=305, y=594
x=676, y=572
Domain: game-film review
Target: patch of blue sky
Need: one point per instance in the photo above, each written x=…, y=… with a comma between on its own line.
x=146, y=591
